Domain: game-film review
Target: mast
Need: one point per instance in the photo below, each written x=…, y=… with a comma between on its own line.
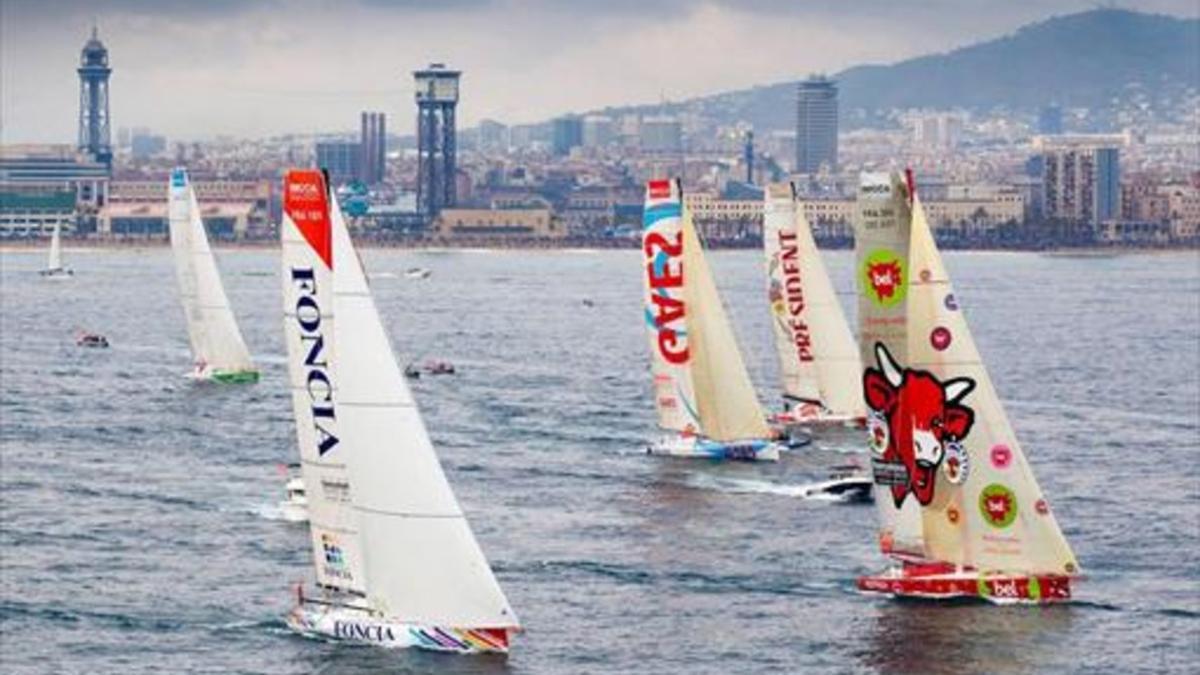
x=55, y=261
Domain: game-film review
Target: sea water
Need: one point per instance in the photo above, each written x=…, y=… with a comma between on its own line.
x=139, y=530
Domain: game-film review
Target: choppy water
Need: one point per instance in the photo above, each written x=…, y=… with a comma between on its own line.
x=136, y=531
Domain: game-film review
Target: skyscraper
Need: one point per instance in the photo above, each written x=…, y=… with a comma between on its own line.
x=567, y=134
x=1081, y=177
x=816, y=125
x=437, y=142
x=373, y=152
x=94, y=136
x=341, y=159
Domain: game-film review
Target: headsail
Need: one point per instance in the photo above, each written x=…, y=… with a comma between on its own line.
x=422, y=564
x=817, y=353
x=308, y=322
x=55, y=261
x=212, y=328
x=955, y=485
x=701, y=382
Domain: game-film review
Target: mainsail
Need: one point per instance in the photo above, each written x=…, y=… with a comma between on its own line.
x=212, y=329
x=952, y=482
x=817, y=353
x=308, y=322
x=700, y=378
x=54, y=264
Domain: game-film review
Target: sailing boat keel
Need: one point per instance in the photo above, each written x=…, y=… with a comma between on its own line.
x=944, y=582
x=353, y=624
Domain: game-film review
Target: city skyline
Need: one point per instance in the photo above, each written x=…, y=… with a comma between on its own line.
x=230, y=67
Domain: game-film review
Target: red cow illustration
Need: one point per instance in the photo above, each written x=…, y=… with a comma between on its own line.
x=923, y=414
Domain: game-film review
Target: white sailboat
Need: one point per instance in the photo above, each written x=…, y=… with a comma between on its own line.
x=818, y=355
x=960, y=511
x=396, y=561
x=702, y=391
x=54, y=267
x=219, y=354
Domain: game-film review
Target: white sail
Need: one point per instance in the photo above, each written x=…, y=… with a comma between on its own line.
x=817, y=352
x=308, y=322
x=954, y=459
x=421, y=562
x=212, y=328
x=55, y=261
x=664, y=308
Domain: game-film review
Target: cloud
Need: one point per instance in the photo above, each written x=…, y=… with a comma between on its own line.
x=194, y=69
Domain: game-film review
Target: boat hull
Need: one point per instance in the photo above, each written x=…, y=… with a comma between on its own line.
x=352, y=624
x=225, y=376
x=753, y=450
x=57, y=273
x=795, y=417
x=940, y=584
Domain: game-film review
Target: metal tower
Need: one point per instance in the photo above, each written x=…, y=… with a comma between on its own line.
x=94, y=137
x=437, y=96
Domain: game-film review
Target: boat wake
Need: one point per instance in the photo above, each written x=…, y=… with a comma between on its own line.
x=808, y=491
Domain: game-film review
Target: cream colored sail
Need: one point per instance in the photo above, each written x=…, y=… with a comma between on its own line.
x=994, y=516
x=308, y=321
x=817, y=352
x=422, y=564
x=55, y=262
x=212, y=328
x=725, y=397
x=665, y=308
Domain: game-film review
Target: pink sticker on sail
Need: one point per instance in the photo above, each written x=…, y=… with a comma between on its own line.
x=1001, y=456
x=940, y=338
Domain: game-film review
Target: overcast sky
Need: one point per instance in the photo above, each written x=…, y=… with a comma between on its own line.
x=193, y=69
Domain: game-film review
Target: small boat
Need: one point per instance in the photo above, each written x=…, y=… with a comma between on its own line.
x=219, y=353
x=847, y=482
x=439, y=368
x=702, y=391
x=961, y=515
x=91, y=340
x=417, y=273
x=294, y=506
x=396, y=562
x=818, y=355
x=54, y=267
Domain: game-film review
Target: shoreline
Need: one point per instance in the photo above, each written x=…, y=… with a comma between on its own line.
x=575, y=244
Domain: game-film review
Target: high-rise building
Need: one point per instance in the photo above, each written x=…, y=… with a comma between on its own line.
x=341, y=159
x=816, y=125
x=437, y=142
x=373, y=153
x=1081, y=177
x=567, y=134
x=493, y=136
x=94, y=135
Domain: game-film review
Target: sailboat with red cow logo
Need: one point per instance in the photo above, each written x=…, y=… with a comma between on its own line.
x=961, y=514
x=396, y=562
x=702, y=391
x=818, y=355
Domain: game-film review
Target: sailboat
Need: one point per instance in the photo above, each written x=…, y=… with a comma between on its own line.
x=396, y=562
x=54, y=267
x=219, y=354
x=818, y=355
x=961, y=514
x=702, y=391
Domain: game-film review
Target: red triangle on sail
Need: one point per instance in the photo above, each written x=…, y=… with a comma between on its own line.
x=306, y=202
